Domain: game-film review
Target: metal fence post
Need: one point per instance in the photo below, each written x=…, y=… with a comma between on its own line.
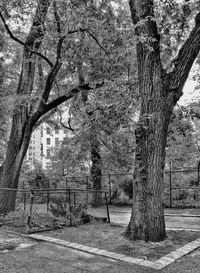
x=87, y=186
x=66, y=199
x=48, y=197
x=170, y=185
x=24, y=197
x=198, y=172
x=31, y=208
x=66, y=182
x=24, y=201
x=74, y=198
x=108, y=215
x=198, y=177
x=109, y=183
x=70, y=216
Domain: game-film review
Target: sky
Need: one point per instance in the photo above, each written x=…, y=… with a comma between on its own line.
x=190, y=94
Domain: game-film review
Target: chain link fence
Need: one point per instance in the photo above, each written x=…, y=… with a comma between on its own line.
x=181, y=187
x=46, y=209
x=69, y=201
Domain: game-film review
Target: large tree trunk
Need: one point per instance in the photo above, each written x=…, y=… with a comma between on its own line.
x=159, y=90
x=10, y=170
x=147, y=219
x=96, y=173
x=22, y=125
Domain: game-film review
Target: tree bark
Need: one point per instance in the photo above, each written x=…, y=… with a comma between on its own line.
x=159, y=92
x=96, y=173
x=21, y=126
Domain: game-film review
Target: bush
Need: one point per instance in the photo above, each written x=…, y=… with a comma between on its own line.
x=45, y=220
x=127, y=187
x=181, y=195
x=77, y=214
x=58, y=205
x=122, y=200
x=17, y=218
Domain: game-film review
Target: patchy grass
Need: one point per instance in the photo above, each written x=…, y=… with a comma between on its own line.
x=8, y=244
x=111, y=238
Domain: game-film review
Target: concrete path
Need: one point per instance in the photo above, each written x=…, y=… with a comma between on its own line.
x=121, y=216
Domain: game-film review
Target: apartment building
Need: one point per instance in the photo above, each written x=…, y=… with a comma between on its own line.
x=43, y=142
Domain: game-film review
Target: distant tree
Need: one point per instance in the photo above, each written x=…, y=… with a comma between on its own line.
x=99, y=115
x=182, y=149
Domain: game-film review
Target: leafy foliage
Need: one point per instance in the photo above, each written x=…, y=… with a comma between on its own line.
x=182, y=149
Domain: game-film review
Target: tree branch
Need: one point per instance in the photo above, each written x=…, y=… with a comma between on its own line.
x=185, y=59
x=69, y=122
x=96, y=40
x=44, y=118
x=44, y=108
x=12, y=36
x=54, y=71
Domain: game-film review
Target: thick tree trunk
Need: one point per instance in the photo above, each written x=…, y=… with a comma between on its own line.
x=159, y=90
x=10, y=170
x=22, y=124
x=96, y=174
x=147, y=219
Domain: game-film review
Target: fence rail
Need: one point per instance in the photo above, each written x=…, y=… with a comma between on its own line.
x=179, y=185
x=37, y=209
x=174, y=180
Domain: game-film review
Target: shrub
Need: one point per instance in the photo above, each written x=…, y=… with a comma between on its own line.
x=122, y=200
x=75, y=213
x=58, y=205
x=45, y=220
x=17, y=218
x=127, y=187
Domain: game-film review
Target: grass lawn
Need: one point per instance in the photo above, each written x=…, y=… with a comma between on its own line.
x=111, y=238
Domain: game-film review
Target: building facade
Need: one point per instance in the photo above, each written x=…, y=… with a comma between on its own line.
x=43, y=142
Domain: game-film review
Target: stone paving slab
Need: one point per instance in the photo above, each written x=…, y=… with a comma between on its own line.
x=159, y=264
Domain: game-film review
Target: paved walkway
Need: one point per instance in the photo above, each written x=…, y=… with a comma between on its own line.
x=174, y=219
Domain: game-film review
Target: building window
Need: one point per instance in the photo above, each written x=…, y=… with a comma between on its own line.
x=48, y=130
x=56, y=131
x=41, y=132
x=56, y=141
x=48, y=141
x=48, y=153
